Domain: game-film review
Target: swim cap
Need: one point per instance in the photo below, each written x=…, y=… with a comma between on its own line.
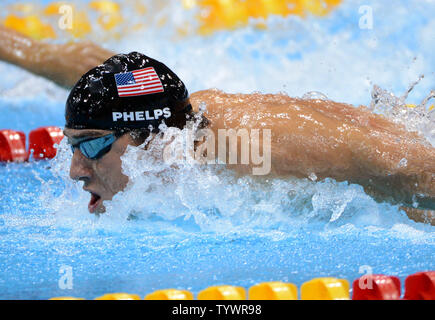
x=128, y=91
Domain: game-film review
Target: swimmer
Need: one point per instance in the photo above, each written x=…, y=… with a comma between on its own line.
x=324, y=138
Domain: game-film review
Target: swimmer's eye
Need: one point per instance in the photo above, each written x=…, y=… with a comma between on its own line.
x=94, y=148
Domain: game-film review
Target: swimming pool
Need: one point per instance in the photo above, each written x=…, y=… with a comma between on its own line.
x=206, y=228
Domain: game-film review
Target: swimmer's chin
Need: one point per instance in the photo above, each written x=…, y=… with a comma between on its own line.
x=100, y=210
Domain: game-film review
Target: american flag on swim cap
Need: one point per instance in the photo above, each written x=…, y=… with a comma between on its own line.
x=138, y=82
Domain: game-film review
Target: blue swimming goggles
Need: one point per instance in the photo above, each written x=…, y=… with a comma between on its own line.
x=95, y=148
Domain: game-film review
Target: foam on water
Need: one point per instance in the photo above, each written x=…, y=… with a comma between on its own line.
x=298, y=55
x=213, y=199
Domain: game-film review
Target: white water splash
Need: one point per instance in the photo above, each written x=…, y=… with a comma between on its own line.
x=212, y=198
x=419, y=118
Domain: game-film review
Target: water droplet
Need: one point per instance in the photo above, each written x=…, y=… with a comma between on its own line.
x=402, y=163
x=314, y=95
x=312, y=176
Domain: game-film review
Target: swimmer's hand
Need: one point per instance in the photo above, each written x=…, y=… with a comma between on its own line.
x=62, y=63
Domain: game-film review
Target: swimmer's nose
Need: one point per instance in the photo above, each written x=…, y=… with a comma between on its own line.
x=80, y=168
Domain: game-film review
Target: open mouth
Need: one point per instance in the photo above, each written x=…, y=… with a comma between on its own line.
x=94, y=203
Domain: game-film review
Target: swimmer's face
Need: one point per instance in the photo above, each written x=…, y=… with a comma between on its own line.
x=103, y=177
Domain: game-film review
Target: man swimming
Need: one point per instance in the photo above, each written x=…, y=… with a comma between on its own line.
x=325, y=138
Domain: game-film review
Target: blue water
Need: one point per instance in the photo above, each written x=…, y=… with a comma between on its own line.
x=207, y=228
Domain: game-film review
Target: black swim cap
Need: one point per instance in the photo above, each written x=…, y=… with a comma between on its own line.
x=128, y=91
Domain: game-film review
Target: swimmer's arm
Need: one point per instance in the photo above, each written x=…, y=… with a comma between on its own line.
x=395, y=163
x=64, y=64
x=330, y=139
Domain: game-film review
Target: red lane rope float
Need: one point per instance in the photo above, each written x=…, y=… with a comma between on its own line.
x=42, y=141
x=376, y=287
x=12, y=146
x=420, y=286
x=41, y=144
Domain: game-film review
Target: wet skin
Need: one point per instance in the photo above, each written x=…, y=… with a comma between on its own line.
x=64, y=64
x=102, y=178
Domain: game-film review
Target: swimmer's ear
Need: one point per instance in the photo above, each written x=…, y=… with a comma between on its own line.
x=134, y=136
x=139, y=136
x=199, y=118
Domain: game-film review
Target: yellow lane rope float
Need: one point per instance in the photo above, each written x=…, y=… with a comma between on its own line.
x=418, y=286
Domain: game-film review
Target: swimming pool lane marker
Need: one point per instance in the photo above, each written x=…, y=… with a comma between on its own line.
x=41, y=144
x=418, y=286
x=13, y=146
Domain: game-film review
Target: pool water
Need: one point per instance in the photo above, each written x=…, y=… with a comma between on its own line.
x=207, y=227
